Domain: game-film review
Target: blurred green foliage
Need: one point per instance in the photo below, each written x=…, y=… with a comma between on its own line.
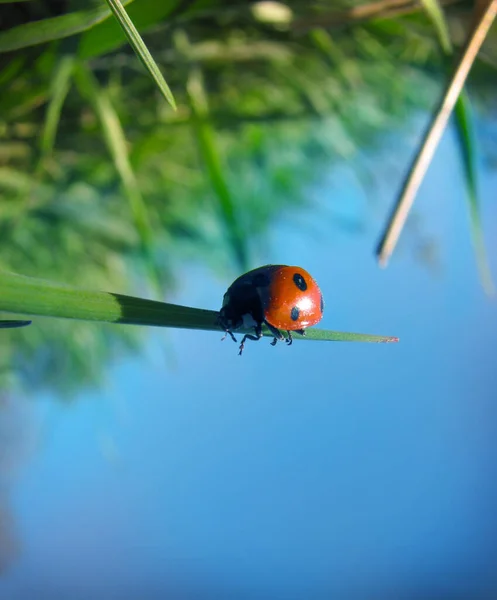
x=103, y=185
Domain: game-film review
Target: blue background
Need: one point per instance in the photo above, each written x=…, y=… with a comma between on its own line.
x=321, y=470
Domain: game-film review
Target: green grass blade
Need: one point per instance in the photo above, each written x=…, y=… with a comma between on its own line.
x=26, y=295
x=205, y=135
x=141, y=49
x=59, y=89
x=325, y=335
x=436, y=15
x=465, y=133
x=116, y=144
x=12, y=69
x=53, y=28
x=13, y=324
x=109, y=35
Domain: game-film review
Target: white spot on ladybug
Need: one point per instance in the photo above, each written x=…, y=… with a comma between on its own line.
x=305, y=304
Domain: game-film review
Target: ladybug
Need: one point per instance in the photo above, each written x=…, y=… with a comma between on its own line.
x=278, y=296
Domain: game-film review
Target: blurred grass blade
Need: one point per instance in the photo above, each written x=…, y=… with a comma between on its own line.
x=12, y=69
x=116, y=144
x=13, y=324
x=435, y=12
x=53, y=28
x=206, y=141
x=15, y=181
x=141, y=49
x=59, y=89
x=26, y=295
x=433, y=135
x=465, y=135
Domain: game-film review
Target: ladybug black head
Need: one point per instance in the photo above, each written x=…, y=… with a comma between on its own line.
x=229, y=316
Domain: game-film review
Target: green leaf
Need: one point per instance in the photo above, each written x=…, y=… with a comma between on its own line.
x=141, y=49
x=53, y=28
x=26, y=295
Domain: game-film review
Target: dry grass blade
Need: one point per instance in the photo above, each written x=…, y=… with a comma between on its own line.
x=434, y=134
x=381, y=9
x=465, y=134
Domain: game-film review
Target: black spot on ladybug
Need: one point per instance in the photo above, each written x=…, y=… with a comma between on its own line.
x=261, y=280
x=322, y=305
x=300, y=282
x=295, y=314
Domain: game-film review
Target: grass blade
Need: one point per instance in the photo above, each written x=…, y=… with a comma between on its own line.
x=325, y=335
x=206, y=141
x=27, y=295
x=53, y=28
x=59, y=89
x=435, y=12
x=109, y=35
x=433, y=135
x=141, y=49
x=116, y=144
x=465, y=134
x=11, y=70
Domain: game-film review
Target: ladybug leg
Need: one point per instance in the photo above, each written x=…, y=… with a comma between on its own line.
x=247, y=336
x=289, y=339
x=230, y=333
x=276, y=332
x=300, y=331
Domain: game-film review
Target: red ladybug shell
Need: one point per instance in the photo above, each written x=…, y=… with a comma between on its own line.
x=282, y=296
x=292, y=300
